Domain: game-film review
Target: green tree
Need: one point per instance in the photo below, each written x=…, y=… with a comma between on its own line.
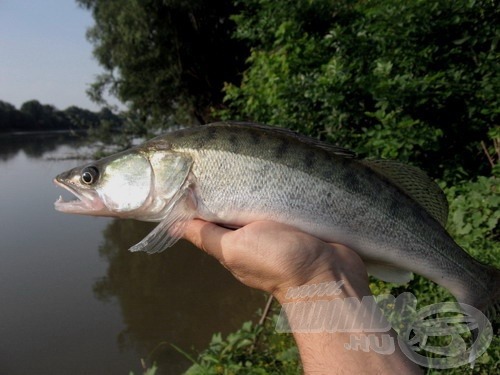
x=81, y=118
x=34, y=112
x=418, y=80
x=168, y=60
x=8, y=116
x=42, y=117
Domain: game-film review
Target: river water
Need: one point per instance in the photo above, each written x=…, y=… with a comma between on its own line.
x=73, y=300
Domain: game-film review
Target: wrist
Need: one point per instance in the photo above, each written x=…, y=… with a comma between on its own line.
x=319, y=287
x=330, y=283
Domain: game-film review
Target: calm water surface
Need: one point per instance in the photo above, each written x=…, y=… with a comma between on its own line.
x=73, y=300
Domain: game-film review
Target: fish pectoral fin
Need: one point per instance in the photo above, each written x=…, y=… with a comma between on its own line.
x=171, y=228
x=166, y=234
x=388, y=273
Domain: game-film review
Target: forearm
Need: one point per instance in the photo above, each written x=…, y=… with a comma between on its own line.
x=330, y=335
x=326, y=353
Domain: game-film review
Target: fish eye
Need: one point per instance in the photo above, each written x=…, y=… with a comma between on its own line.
x=89, y=175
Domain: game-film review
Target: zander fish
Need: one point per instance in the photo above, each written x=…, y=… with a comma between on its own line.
x=232, y=174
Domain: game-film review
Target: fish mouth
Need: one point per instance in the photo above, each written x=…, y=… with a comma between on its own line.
x=87, y=202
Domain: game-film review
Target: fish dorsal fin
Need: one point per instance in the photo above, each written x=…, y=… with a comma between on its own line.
x=337, y=150
x=416, y=184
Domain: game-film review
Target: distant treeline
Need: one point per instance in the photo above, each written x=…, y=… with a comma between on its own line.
x=34, y=116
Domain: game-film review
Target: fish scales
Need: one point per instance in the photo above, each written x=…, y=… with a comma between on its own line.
x=233, y=174
x=330, y=200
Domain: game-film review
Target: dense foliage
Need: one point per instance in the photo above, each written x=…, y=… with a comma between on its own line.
x=417, y=81
x=237, y=354
x=167, y=59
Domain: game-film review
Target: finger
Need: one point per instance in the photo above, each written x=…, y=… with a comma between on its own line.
x=206, y=236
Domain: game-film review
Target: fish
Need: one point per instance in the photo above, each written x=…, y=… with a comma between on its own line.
x=230, y=173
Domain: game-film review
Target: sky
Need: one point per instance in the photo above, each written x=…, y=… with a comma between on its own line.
x=44, y=54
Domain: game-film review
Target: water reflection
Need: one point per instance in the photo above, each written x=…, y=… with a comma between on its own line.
x=35, y=146
x=180, y=296
x=50, y=266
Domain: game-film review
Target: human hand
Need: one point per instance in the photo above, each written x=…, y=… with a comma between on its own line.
x=274, y=257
